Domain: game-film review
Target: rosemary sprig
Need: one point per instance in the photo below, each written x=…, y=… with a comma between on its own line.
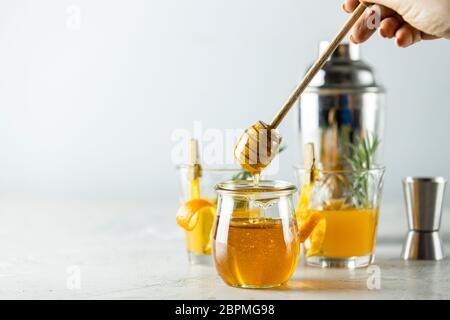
x=362, y=152
x=244, y=174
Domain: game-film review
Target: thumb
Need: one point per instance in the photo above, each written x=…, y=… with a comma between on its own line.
x=395, y=5
x=350, y=5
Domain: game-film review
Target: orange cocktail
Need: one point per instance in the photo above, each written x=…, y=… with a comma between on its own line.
x=349, y=232
x=343, y=206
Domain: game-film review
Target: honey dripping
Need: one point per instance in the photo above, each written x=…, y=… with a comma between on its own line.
x=256, y=177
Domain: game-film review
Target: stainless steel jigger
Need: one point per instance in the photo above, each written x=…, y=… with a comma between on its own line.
x=423, y=198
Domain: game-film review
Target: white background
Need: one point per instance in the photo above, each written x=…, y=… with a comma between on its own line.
x=88, y=110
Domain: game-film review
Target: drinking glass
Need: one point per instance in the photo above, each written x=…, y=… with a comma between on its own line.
x=255, y=238
x=349, y=202
x=198, y=240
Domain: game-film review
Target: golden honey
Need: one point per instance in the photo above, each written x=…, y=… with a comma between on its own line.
x=256, y=252
x=257, y=147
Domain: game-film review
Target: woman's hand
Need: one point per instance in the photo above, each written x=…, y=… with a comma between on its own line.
x=408, y=21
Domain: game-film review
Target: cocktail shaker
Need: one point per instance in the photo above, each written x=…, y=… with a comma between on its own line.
x=343, y=102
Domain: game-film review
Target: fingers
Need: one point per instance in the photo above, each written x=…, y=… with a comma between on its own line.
x=407, y=35
x=426, y=36
x=350, y=5
x=367, y=24
x=389, y=26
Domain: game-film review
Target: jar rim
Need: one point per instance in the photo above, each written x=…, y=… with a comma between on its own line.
x=246, y=187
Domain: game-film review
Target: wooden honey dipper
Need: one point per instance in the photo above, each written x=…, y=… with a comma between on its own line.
x=259, y=144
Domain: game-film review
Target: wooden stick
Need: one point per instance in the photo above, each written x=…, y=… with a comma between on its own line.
x=318, y=65
x=309, y=162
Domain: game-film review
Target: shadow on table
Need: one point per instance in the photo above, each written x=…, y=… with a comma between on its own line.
x=323, y=284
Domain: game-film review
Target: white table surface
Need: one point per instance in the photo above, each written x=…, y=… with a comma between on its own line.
x=134, y=250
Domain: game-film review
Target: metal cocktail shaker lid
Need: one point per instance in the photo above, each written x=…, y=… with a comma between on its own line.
x=345, y=71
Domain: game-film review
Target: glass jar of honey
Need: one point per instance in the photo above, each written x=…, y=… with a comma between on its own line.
x=255, y=238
